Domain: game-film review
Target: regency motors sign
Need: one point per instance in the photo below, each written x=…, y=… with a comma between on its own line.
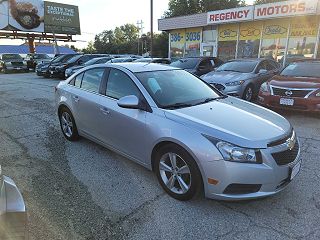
x=285, y=9
x=264, y=11
x=231, y=15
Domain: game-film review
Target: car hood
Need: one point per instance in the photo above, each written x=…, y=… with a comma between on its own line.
x=226, y=76
x=295, y=82
x=235, y=121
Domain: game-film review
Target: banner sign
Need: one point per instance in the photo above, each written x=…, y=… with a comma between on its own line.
x=231, y=15
x=304, y=27
x=285, y=9
x=228, y=32
x=250, y=30
x=39, y=16
x=274, y=29
x=193, y=38
x=61, y=18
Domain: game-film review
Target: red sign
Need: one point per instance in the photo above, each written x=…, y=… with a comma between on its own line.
x=231, y=15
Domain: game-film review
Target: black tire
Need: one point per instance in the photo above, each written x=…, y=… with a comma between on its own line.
x=248, y=93
x=74, y=136
x=196, y=184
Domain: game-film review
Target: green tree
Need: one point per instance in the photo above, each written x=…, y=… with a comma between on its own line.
x=89, y=49
x=186, y=7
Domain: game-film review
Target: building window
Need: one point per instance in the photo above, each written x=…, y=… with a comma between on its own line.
x=274, y=40
x=228, y=35
x=177, y=43
x=193, y=41
x=249, y=39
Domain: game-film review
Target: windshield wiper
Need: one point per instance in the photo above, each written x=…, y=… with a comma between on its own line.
x=212, y=99
x=178, y=105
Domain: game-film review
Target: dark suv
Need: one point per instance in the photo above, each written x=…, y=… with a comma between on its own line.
x=12, y=62
x=33, y=59
x=198, y=65
x=59, y=70
x=42, y=69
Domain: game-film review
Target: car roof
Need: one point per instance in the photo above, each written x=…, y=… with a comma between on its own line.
x=249, y=60
x=145, y=67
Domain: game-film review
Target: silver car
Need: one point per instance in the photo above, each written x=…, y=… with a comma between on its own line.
x=194, y=138
x=242, y=78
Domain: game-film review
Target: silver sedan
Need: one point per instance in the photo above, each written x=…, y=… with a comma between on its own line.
x=242, y=78
x=194, y=138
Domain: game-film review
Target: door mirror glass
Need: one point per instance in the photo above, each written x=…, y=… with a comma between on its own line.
x=130, y=102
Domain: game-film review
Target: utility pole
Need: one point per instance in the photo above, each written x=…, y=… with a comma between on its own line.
x=151, y=32
x=140, y=27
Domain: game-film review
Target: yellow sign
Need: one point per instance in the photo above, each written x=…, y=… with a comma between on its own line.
x=193, y=38
x=250, y=30
x=228, y=32
x=304, y=27
x=274, y=29
x=178, y=41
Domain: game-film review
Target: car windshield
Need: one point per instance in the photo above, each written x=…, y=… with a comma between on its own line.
x=74, y=59
x=188, y=63
x=11, y=56
x=176, y=88
x=238, y=66
x=41, y=56
x=92, y=61
x=302, y=69
x=62, y=58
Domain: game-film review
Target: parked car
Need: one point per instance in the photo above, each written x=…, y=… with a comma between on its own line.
x=121, y=60
x=242, y=77
x=198, y=65
x=43, y=69
x=192, y=136
x=12, y=62
x=59, y=71
x=154, y=60
x=296, y=87
x=33, y=59
x=100, y=60
x=13, y=214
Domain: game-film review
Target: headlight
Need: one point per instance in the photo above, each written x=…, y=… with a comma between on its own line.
x=235, y=153
x=24, y=63
x=236, y=83
x=318, y=94
x=264, y=87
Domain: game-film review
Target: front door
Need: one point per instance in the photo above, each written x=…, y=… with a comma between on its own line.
x=208, y=50
x=124, y=129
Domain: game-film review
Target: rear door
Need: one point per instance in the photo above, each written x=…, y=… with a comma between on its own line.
x=86, y=99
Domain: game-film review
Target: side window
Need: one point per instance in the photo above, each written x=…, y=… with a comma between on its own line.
x=205, y=64
x=91, y=79
x=120, y=85
x=262, y=65
x=78, y=80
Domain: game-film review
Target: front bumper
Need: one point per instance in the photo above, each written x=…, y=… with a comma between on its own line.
x=266, y=179
x=310, y=104
x=57, y=72
x=17, y=68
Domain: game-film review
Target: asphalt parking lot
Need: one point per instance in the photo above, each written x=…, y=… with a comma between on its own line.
x=84, y=191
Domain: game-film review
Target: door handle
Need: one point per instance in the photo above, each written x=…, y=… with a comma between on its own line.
x=76, y=98
x=105, y=111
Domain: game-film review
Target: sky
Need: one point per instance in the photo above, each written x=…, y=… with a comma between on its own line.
x=99, y=15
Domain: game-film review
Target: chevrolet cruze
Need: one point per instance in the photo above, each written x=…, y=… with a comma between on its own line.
x=192, y=136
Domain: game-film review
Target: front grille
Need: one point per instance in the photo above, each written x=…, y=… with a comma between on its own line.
x=288, y=156
x=242, y=188
x=290, y=93
x=218, y=86
x=17, y=64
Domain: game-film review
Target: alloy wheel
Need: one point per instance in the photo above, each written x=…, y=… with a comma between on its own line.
x=175, y=173
x=66, y=123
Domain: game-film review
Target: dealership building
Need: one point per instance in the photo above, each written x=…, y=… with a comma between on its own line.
x=281, y=31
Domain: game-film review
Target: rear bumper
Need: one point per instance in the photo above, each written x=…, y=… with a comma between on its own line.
x=311, y=104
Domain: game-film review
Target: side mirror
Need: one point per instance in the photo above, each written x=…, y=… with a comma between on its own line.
x=262, y=71
x=129, y=102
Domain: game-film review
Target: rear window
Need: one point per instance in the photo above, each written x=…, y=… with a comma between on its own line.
x=302, y=69
x=188, y=63
x=11, y=56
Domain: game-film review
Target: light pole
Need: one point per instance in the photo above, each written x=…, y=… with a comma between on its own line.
x=151, y=33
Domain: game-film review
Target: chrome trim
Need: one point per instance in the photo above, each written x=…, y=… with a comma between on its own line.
x=312, y=90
